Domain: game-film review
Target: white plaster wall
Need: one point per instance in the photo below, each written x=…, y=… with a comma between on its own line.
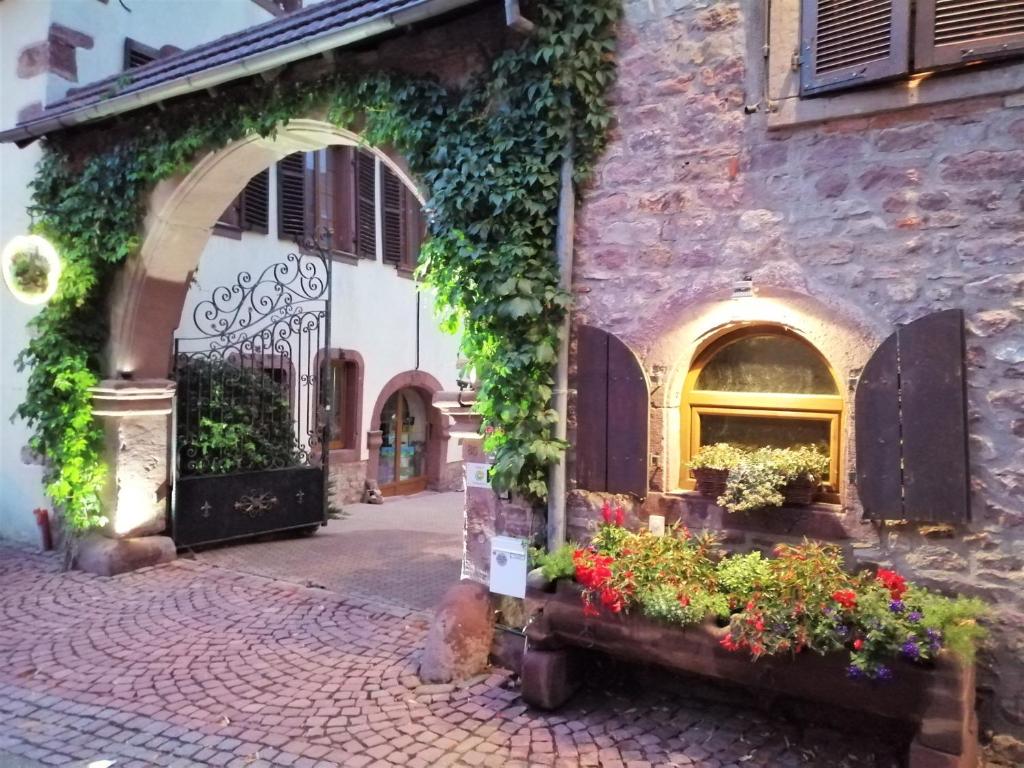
x=374, y=312
x=20, y=485
x=183, y=23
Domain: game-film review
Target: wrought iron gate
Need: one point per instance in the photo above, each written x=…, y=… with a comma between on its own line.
x=250, y=420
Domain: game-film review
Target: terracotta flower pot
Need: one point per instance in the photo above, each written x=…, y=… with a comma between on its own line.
x=711, y=482
x=800, y=492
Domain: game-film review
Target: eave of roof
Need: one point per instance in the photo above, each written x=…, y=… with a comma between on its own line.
x=265, y=47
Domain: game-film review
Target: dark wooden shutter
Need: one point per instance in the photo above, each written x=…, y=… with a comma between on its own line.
x=137, y=54
x=415, y=228
x=392, y=217
x=911, y=430
x=254, y=203
x=847, y=43
x=293, y=198
x=366, y=205
x=612, y=402
x=962, y=31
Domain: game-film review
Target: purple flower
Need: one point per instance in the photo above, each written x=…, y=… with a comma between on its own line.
x=883, y=672
x=911, y=649
x=843, y=631
x=854, y=672
x=896, y=606
x=914, y=616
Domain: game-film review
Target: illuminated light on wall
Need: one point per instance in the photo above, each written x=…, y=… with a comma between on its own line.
x=31, y=268
x=136, y=506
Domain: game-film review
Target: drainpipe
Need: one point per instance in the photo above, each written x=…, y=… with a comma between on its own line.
x=564, y=239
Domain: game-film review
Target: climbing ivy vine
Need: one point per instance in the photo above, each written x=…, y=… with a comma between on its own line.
x=489, y=156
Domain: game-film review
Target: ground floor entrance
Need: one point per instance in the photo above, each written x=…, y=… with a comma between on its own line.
x=405, y=432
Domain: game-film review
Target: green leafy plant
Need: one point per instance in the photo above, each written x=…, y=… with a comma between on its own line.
x=31, y=271
x=555, y=565
x=489, y=157
x=232, y=419
x=721, y=456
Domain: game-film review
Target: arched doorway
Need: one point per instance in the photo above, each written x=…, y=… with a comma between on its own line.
x=402, y=461
x=409, y=437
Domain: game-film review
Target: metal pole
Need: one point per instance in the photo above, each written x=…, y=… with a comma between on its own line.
x=564, y=240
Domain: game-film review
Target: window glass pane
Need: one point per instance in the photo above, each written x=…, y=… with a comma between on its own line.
x=412, y=462
x=770, y=362
x=762, y=431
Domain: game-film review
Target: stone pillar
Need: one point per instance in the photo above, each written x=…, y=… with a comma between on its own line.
x=136, y=419
x=486, y=513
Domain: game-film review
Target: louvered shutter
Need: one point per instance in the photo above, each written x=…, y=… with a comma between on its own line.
x=847, y=43
x=293, y=214
x=962, y=31
x=254, y=203
x=366, y=205
x=612, y=402
x=136, y=54
x=911, y=429
x=415, y=228
x=392, y=217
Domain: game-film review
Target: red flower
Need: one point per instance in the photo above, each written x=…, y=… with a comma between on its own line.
x=684, y=600
x=759, y=625
x=847, y=598
x=858, y=644
x=590, y=610
x=606, y=512
x=620, y=516
x=892, y=581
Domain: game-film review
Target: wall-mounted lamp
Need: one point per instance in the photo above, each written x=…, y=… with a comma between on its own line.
x=743, y=288
x=31, y=268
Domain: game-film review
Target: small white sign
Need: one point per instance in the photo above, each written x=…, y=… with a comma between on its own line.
x=477, y=475
x=656, y=525
x=508, y=566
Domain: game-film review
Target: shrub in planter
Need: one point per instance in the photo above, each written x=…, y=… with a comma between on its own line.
x=802, y=599
x=233, y=435
x=711, y=465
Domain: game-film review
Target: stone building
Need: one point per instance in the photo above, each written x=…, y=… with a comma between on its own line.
x=851, y=197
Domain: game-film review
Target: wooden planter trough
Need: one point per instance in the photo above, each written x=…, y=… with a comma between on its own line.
x=939, y=699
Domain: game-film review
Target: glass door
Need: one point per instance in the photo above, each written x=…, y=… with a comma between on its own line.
x=403, y=451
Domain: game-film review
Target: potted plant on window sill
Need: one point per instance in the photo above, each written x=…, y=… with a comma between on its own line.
x=773, y=477
x=711, y=465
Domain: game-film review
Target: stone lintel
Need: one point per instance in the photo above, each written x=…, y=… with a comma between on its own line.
x=459, y=407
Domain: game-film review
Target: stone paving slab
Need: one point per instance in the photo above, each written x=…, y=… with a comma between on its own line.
x=187, y=664
x=407, y=551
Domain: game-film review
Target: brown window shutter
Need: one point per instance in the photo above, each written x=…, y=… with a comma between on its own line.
x=962, y=31
x=393, y=217
x=254, y=203
x=415, y=228
x=612, y=402
x=232, y=217
x=911, y=430
x=293, y=214
x=848, y=43
x=366, y=205
x=137, y=54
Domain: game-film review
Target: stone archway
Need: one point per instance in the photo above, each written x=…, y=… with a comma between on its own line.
x=437, y=443
x=134, y=403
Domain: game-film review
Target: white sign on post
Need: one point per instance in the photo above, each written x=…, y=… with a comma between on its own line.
x=508, y=566
x=477, y=475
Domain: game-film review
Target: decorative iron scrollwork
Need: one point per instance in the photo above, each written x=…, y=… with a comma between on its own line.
x=254, y=505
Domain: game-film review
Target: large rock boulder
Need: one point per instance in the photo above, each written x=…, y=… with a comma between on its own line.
x=459, y=639
x=108, y=557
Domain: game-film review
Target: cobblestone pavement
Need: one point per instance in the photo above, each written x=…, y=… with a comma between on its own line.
x=187, y=664
x=407, y=551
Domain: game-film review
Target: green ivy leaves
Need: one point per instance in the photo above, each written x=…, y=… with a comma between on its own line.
x=489, y=157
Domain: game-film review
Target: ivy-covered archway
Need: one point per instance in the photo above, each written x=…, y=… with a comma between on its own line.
x=488, y=156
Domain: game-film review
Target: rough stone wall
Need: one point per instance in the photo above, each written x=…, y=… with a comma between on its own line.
x=348, y=481
x=879, y=220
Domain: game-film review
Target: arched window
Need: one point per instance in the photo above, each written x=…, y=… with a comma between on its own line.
x=761, y=386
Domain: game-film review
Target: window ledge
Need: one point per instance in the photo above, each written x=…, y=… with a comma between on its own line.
x=227, y=230
x=819, y=520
